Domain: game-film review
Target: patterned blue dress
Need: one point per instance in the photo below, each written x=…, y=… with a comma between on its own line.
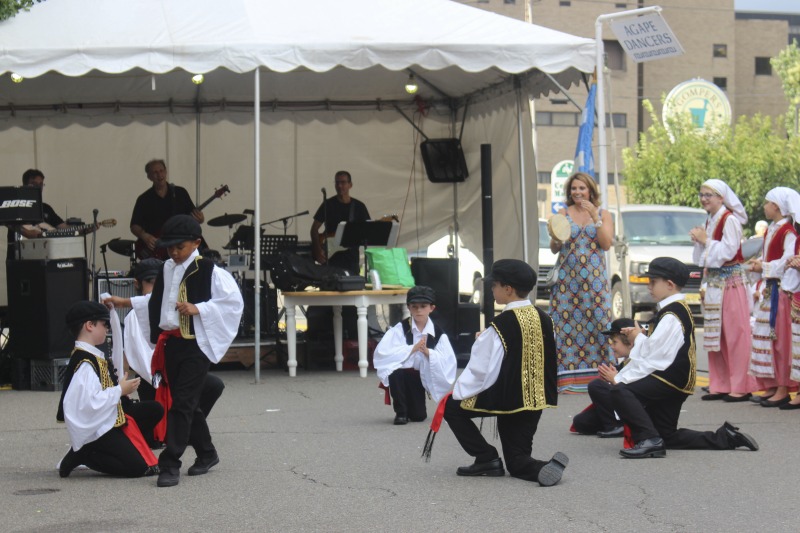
x=580, y=306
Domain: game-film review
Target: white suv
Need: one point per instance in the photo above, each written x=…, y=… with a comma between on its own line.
x=654, y=231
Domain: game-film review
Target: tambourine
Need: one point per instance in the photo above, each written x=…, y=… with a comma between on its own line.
x=559, y=228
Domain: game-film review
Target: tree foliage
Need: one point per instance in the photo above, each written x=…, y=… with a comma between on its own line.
x=667, y=166
x=9, y=8
x=787, y=65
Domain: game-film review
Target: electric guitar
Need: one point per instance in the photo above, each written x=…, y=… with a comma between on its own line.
x=49, y=231
x=327, y=239
x=143, y=252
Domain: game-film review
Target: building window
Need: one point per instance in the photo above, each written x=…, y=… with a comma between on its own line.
x=615, y=56
x=720, y=50
x=620, y=120
x=543, y=177
x=544, y=118
x=621, y=6
x=510, y=2
x=763, y=66
x=564, y=3
x=722, y=83
x=565, y=119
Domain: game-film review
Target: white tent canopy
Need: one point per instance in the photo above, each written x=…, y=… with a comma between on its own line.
x=107, y=81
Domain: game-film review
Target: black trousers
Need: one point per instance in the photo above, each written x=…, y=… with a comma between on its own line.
x=212, y=390
x=187, y=368
x=113, y=454
x=516, y=432
x=147, y=414
x=651, y=409
x=408, y=394
x=601, y=417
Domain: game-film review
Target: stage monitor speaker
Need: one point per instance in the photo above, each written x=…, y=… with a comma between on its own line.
x=39, y=295
x=444, y=160
x=269, y=310
x=442, y=276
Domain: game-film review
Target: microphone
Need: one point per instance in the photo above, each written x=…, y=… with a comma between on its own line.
x=324, y=192
x=303, y=213
x=94, y=212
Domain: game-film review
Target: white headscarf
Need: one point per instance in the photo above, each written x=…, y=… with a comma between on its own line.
x=788, y=201
x=729, y=198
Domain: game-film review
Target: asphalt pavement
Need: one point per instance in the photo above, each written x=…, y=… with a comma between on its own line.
x=319, y=452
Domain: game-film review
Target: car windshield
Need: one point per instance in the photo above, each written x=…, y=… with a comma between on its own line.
x=661, y=227
x=544, y=237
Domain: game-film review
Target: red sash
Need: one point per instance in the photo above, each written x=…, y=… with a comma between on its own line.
x=163, y=395
x=134, y=434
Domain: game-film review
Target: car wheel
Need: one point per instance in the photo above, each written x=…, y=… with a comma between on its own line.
x=617, y=303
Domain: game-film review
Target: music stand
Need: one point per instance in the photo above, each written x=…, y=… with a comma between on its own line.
x=367, y=233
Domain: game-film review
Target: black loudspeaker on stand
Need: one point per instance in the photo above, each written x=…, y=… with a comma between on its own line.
x=444, y=160
x=40, y=293
x=269, y=311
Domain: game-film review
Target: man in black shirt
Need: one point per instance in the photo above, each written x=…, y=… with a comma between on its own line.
x=33, y=178
x=155, y=206
x=340, y=208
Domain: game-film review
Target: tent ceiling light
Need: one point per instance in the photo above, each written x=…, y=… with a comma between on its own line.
x=197, y=79
x=411, y=84
x=16, y=78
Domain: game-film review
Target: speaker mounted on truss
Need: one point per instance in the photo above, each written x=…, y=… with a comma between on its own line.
x=444, y=160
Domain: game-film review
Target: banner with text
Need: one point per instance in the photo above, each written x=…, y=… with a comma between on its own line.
x=646, y=38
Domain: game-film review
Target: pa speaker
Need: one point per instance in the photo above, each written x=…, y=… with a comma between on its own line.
x=444, y=160
x=441, y=275
x=40, y=293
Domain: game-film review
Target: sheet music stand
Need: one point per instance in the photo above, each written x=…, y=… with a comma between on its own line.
x=367, y=233
x=272, y=245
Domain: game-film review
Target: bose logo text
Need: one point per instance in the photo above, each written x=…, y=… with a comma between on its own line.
x=17, y=203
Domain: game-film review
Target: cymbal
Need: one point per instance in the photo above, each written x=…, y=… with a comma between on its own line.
x=121, y=246
x=226, y=220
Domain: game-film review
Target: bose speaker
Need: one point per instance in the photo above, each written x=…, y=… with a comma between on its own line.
x=444, y=160
x=441, y=275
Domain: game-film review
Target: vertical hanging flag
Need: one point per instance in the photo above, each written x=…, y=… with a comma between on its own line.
x=584, y=160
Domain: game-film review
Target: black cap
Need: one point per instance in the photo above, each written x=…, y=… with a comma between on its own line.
x=85, y=311
x=148, y=269
x=618, y=324
x=178, y=229
x=421, y=294
x=513, y=272
x=669, y=268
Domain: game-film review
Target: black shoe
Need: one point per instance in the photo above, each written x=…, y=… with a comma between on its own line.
x=759, y=399
x=705, y=389
x=400, y=421
x=493, y=468
x=776, y=403
x=152, y=471
x=713, y=396
x=789, y=406
x=646, y=448
x=70, y=462
x=202, y=466
x=169, y=477
x=551, y=473
x=732, y=399
x=616, y=432
x=737, y=438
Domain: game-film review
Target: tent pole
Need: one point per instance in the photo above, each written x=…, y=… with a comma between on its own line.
x=523, y=198
x=257, y=225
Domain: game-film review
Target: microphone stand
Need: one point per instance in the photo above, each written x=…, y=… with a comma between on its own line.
x=94, y=254
x=285, y=220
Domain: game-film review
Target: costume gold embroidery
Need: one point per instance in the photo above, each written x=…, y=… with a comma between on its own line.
x=106, y=383
x=185, y=321
x=688, y=388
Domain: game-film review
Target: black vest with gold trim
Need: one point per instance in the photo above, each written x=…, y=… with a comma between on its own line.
x=681, y=374
x=432, y=339
x=100, y=367
x=195, y=288
x=528, y=373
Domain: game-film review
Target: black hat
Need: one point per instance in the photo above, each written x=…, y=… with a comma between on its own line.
x=618, y=324
x=513, y=272
x=178, y=229
x=669, y=268
x=85, y=311
x=147, y=269
x=421, y=294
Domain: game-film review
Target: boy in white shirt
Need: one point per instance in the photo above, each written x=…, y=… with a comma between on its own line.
x=415, y=356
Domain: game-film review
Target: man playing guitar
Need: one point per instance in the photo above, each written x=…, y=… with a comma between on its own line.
x=33, y=178
x=340, y=208
x=155, y=206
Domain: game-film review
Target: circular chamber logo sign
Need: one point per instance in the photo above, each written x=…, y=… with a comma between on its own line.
x=704, y=102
